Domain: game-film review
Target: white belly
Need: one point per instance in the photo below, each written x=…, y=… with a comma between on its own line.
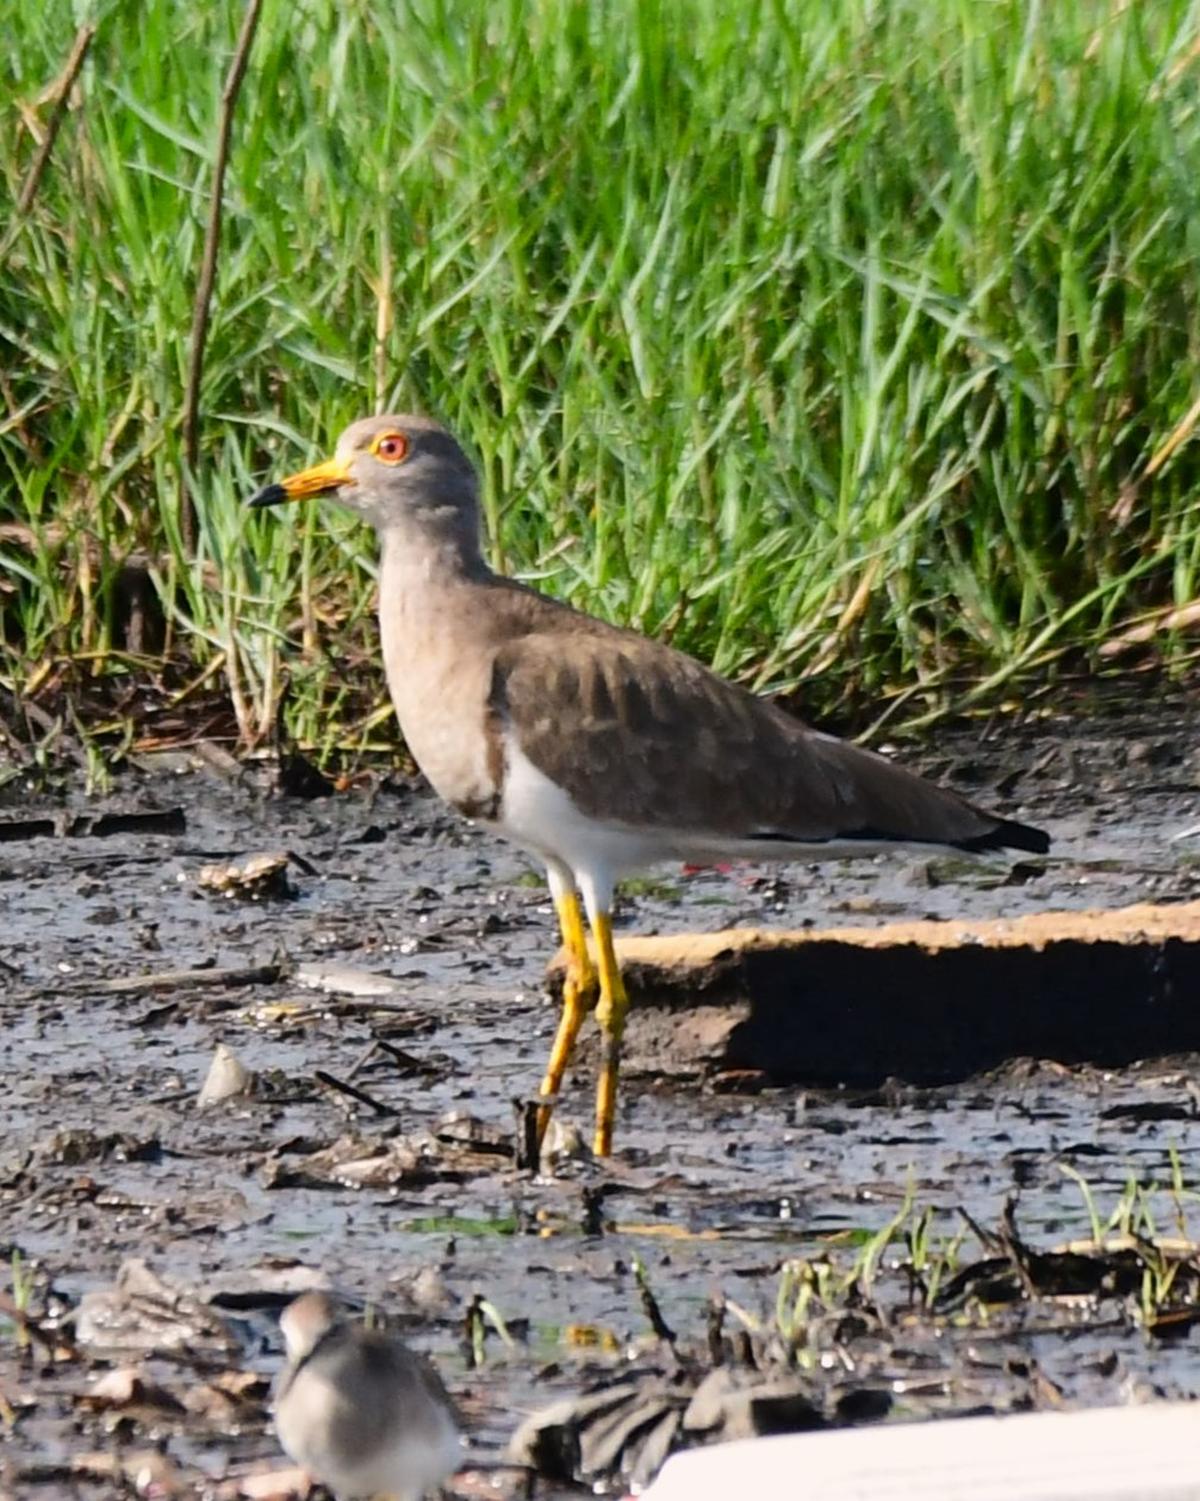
x=539, y=816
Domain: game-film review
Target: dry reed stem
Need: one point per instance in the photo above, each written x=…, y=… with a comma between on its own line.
x=208, y=271
x=60, y=92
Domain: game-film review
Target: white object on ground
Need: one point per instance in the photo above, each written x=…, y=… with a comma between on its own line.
x=1144, y=1453
x=344, y=979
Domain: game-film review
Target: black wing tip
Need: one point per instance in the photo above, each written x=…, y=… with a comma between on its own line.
x=269, y=495
x=1007, y=834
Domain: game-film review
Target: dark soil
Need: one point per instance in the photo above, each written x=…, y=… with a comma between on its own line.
x=104, y=1155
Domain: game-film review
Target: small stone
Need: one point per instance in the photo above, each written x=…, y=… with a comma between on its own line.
x=227, y=1079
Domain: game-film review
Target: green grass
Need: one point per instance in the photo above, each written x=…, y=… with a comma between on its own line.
x=830, y=342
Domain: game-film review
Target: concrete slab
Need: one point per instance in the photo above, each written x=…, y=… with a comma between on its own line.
x=926, y=1002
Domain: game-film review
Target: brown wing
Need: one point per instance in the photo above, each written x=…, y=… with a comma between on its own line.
x=633, y=730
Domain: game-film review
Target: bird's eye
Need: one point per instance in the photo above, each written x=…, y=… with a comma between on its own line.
x=391, y=447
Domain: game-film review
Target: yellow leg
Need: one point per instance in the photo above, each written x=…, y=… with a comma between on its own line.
x=579, y=990
x=610, y=1015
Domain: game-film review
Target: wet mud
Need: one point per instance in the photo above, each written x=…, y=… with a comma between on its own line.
x=382, y=986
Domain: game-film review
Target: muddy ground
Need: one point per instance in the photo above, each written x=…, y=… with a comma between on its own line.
x=104, y=1155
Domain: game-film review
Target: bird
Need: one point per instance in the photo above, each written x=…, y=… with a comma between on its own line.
x=597, y=750
x=358, y=1410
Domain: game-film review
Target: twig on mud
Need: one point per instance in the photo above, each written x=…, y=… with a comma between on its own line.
x=662, y=1330
x=208, y=271
x=254, y=974
x=331, y=1081
x=60, y=93
x=357, y=1006
x=1016, y=1250
x=406, y=1062
x=990, y=1243
x=715, y=1329
x=528, y=1149
x=363, y=1058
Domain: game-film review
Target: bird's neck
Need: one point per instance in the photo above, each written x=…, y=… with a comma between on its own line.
x=439, y=548
x=438, y=629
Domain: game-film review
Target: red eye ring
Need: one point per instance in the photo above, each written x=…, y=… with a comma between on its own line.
x=392, y=448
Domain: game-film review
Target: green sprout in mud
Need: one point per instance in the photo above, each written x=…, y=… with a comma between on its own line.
x=1126, y=1256
x=22, y=1298
x=812, y=1287
x=928, y=1260
x=481, y=1314
x=801, y=1285
x=1165, y=1260
x=1133, y=1212
x=98, y=762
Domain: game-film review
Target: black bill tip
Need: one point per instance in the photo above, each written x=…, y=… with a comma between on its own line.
x=269, y=495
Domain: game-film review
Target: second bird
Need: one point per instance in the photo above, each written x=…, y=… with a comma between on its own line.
x=358, y=1410
x=597, y=750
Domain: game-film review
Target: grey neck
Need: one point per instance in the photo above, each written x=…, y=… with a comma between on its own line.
x=439, y=541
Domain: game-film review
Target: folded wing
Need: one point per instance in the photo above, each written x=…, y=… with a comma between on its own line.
x=673, y=746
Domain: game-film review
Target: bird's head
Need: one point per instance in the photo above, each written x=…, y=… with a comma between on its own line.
x=394, y=471
x=306, y=1320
